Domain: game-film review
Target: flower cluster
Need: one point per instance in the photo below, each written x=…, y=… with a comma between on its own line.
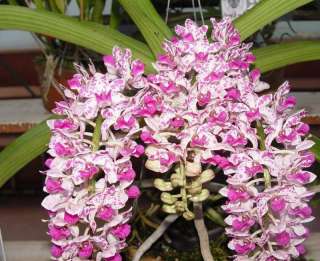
x=89, y=177
x=201, y=109
x=267, y=197
x=190, y=109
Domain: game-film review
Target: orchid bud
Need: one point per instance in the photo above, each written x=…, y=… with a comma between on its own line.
x=193, y=168
x=176, y=180
x=168, y=198
x=188, y=215
x=163, y=185
x=170, y=209
x=180, y=206
x=202, y=196
x=195, y=187
x=153, y=165
x=206, y=176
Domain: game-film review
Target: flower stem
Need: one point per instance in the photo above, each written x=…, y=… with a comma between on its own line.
x=95, y=146
x=262, y=145
x=97, y=133
x=154, y=236
x=183, y=191
x=202, y=232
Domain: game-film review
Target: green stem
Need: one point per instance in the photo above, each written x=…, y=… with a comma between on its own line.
x=261, y=135
x=262, y=145
x=97, y=13
x=95, y=146
x=115, y=17
x=183, y=191
x=97, y=133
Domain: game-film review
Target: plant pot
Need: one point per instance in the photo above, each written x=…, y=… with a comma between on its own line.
x=52, y=78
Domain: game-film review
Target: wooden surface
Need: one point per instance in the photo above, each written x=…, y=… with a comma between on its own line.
x=14, y=92
x=19, y=115
x=311, y=102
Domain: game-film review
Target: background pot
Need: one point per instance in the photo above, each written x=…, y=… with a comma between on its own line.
x=52, y=77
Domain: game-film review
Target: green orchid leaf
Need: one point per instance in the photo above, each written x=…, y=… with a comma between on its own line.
x=61, y=5
x=23, y=150
x=279, y=55
x=150, y=24
x=264, y=13
x=90, y=35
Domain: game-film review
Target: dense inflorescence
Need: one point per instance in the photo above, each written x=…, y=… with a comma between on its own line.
x=192, y=109
x=201, y=109
x=89, y=177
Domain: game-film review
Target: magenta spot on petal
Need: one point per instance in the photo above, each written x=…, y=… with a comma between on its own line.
x=86, y=250
x=301, y=249
x=303, y=212
x=214, y=76
x=133, y=191
x=242, y=224
x=177, y=122
x=71, y=219
x=188, y=37
x=283, y=238
x=204, y=99
x=74, y=83
x=169, y=87
x=108, y=60
x=168, y=158
x=233, y=94
x=137, y=68
x=255, y=75
x=138, y=151
x=58, y=233
x=250, y=58
x=253, y=115
x=196, y=141
x=234, y=39
x=88, y=172
x=303, y=129
x=245, y=248
x=290, y=102
x=56, y=251
x=122, y=231
x=302, y=177
x=53, y=185
x=127, y=175
x=277, y=204
x=146, y=137
x=48, y=162
x=201, y=56
x=237, y=195
x=105, y=213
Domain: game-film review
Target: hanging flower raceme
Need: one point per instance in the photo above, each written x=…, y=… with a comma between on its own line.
x=202, y=108
x=267, y=197
x=89, y=177
x=190, y=109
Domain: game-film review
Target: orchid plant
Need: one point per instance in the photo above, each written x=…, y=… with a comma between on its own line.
x=199, y=108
